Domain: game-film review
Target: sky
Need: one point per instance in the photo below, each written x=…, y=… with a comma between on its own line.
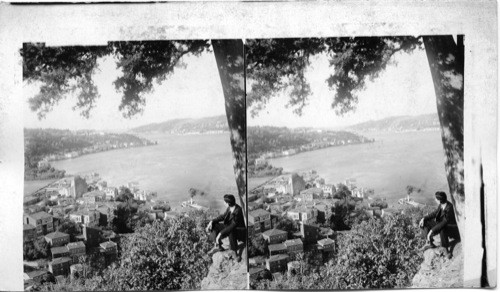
x=191, y=92
x=404, y=88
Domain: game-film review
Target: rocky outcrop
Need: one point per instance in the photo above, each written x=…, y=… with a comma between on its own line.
x=226, y=273
x=437, y=271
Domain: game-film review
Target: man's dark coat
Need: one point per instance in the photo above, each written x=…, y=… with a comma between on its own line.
x=231, y=220
x=443, y=217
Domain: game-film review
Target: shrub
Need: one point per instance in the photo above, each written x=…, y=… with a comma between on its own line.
x=379, y=254
x=375, y=254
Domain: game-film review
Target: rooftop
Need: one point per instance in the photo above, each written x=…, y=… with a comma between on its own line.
x=77, y=244
x=291, y=242
x=36, y=273
x=300, y=210
x=59, y=249
x=312, y=191
x=28, y=226
x=84, y=212
x=94, y=193
x=274, y=247
x=40, y=215
x=277, y=257
x=56, y=234
x=255, y=270
x=325, y=241
x=103, y=209
x=60, y=260
x=108, y=244
x=274, y=231
x=258, y=212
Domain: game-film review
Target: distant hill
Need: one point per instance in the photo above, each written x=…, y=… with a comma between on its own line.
x=56, y=144
x=267, y=139
x=186, y=126
x=399, y=124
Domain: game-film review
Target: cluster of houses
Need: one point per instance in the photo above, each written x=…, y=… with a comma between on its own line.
x=65, y=255
x=281, y=247
x=307, y=200
x=87, y=201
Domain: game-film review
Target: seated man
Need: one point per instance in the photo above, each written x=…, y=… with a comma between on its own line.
x=439, y=221
x=231, y=220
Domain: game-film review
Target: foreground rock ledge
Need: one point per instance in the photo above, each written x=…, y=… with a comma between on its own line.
x=225, y=273
x=439, y=272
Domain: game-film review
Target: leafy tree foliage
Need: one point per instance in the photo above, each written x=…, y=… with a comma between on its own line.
x=48, y=278
x=92, y=264
x=340, y=217
x=124, y=195
x=342, y=192
x=257, y=246
x=163, y=255
x=379, y=203
x=36, y=249
x=202, y=217
x=264, y=169
x=65, y=70
x=160, y=256
x=375, y=254
x=69, y=227
x=275, y=65
x=379, y=254
x=123, y=221
x=286, y=224
x=417, y=213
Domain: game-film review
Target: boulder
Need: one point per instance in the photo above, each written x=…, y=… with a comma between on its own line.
x=226, y=273
x=437, y=271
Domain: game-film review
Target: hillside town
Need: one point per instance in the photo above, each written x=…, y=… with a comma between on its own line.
x=272, y=142
x=86, y=207
x=314, y=145
x=308, y=204
x=101, y=141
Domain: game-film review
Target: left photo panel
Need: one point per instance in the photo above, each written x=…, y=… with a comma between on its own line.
x=135, y=166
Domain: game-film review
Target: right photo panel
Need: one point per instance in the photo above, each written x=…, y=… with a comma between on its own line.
x=355, y=162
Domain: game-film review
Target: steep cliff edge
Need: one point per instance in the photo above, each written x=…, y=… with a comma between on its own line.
x=437, y=271
x=225, y=273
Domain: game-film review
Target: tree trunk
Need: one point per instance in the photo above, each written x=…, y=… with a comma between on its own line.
x=446, y=61
x=230, y=62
